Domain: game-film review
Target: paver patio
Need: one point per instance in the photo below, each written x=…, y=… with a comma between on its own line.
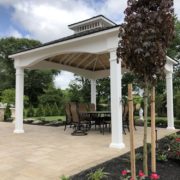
x=45, y=153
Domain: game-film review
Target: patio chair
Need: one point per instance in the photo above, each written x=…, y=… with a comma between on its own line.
x=84, y=118
x=68, y=116
x=92, y=107
x=78, y=124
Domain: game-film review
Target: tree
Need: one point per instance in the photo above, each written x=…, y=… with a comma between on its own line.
x=8, y=96
x=40, y=111
x=145, y=37
x=9, y=46
x=36, y=84
x=35, y=81
x=79, y=89
x=55, y=110
x=48, y=111
x=103, y=91
x=174, y=52
x=51, y=96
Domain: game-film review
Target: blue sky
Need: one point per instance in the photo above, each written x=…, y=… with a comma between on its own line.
x=37, y=19
x=46, y=20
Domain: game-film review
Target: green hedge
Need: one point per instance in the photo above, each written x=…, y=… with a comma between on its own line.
x=160, y=123
x=7, y=113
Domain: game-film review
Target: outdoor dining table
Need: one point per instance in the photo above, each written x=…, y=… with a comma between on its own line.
x=97, y=116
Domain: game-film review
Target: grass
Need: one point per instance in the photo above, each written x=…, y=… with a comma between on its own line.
x=51, y=118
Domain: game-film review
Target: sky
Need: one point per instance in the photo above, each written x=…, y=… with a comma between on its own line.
x=46, y=20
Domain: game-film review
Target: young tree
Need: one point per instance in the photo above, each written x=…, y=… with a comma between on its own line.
x=145, y=36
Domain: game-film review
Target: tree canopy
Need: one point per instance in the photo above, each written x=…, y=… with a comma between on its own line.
x=35, y=81
x=145, y=36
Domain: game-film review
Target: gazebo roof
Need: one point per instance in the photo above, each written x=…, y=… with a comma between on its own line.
x=85, y=53
x=76, y=35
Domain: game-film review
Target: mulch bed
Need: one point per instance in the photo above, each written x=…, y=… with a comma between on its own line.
x=169, y=170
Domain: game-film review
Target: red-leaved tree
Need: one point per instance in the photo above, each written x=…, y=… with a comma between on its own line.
x=145, y=35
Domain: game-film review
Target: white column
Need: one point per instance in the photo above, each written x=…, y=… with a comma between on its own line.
x=116, y=104
x=169, y=92
x=93, y=92
x=19, y=100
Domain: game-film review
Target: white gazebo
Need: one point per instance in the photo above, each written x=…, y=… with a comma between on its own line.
x=89, y=52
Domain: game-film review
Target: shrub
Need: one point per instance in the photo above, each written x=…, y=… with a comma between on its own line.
x=40, y=111
x=161, y=157
x=8, y=96
x=97, y=175
x=139, y=156
x=64, y=178
x=48, y=111
x=30, y=111
x=7, y=113
x=170, y=146
x=174, y=147
x=177, y=104
x=55, y=110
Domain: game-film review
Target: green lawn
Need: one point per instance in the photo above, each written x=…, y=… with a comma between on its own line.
x=52, y=118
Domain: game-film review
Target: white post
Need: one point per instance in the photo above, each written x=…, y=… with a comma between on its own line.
x=93, y=92
x=116, y=104
x=169, y=92
x=19, y=100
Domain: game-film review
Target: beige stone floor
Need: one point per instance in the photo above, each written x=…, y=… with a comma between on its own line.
x=46, y=153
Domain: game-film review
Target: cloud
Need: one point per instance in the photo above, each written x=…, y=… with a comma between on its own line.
x=114, y=9
x=11, y=31
x=63, y=79
x=45, y=20
x=177, y=7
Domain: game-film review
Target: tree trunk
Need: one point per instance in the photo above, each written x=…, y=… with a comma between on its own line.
x=131, y=127
x=145, y=150
x=153, y=132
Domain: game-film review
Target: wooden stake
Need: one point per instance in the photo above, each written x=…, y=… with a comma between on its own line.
x=153, y=132
x=131, y=127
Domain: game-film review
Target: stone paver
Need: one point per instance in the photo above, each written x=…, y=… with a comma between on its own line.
x=46, y=153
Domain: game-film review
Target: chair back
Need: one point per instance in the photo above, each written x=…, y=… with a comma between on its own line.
x=82, y=107
x=74, y=112
x=68, y=113
x=92, y=107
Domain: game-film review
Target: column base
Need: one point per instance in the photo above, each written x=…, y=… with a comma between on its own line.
x=117, y=146
x=171, y=128
x=18, y=131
